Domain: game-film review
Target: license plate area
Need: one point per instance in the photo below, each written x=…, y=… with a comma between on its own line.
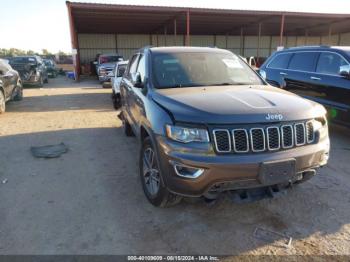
x=276, y=172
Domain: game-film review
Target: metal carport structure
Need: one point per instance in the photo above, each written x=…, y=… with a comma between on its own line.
x=124, y=28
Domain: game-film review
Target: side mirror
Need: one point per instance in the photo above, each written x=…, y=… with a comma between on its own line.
x=136, y=80
x=344, y=71
x=95, y=63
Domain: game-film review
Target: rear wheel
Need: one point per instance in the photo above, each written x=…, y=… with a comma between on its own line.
x=2, y=103
x=151, y=179
x=19, y=92
x=41, y=81
x=46, y=80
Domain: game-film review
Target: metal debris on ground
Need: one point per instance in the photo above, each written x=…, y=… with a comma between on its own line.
x=5, y=181
x=269, y=235
x=50, y=151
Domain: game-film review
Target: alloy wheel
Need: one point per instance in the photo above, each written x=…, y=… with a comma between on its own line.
x=151, y=172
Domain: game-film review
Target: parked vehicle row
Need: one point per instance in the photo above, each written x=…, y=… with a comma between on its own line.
x=208, y=124
x=31, y=69
x=319, y=73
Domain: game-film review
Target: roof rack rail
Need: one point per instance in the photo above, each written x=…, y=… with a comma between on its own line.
x=308, y=46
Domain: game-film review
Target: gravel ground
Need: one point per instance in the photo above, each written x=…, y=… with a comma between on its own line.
x=90, y=200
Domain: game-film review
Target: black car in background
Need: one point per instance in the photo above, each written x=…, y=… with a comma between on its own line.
x=51, y=68
x=319, y=73
x=10, y=85
x=31, y=69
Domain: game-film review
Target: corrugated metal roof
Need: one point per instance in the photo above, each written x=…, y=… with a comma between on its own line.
x=235, y=6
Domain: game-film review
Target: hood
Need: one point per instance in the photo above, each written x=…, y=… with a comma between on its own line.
x=235, y=104
x=108, y=65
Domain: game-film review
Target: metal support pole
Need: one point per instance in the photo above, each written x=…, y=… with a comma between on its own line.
x=175, y=31
x=282, y=30
x=306, y=36
x=339, y=39
x=241, y=43
x=226, y=36
x=188, y=27
x=330, y=35
x=259, y=39
x=165, y=35
x=74, y=42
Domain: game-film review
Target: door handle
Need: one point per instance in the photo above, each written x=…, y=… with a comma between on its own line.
x=283, y=74
x=315, y=78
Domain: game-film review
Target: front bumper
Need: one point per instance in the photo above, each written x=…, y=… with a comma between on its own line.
x=105, y=78
x=229, y=172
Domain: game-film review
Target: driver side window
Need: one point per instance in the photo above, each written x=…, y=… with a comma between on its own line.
x=330, y=63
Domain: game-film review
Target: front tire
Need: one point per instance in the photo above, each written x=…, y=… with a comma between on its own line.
x=2, y=103
x=151, y=178
x=19, y=92
x=41, y=81
x=127, y=128
x=116, y=100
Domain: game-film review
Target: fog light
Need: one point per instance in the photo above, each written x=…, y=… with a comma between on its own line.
x=324, y=157
x=187, y=171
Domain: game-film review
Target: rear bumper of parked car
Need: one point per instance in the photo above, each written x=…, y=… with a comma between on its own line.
x=234, y=171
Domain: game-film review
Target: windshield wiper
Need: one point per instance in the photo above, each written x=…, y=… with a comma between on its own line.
x=231, y=84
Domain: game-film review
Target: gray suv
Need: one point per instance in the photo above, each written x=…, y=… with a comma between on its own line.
x=209, y=124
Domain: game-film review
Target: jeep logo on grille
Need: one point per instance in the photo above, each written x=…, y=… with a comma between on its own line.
x=274, y=117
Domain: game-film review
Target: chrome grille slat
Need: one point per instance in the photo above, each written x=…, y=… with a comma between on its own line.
x=257, y=139
x=287, y=136
x=299, y=134
x=310, y=132
x=273, y=138
x=240, y=140
x=222, y=140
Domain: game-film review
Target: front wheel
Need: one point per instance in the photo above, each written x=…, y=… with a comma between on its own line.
x=19, y=92
x=116, y=100
x=151, y=179
x=2, y=103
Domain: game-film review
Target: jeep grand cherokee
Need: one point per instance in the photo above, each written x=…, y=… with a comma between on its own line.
x=209, y=124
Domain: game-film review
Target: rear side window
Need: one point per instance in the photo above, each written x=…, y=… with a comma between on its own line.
x=280, y=61
x=304, y=61
x=330, y=63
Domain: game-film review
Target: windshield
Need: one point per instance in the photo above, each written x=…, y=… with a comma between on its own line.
x=23, y=60
x=121, y=70
x=110, y=59
x=201, y=69
x=48, y=62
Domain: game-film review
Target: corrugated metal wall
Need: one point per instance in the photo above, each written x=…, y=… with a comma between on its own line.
x=126, y=45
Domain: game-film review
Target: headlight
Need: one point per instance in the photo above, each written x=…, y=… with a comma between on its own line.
x=102, y=71
x=320, y=126
x=186, y=134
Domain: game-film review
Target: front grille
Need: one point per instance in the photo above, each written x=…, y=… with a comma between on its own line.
x=263, y=138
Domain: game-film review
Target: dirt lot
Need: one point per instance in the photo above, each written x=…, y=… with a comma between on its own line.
x=90, y=201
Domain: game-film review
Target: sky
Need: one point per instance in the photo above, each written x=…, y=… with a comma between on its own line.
x=38, y=24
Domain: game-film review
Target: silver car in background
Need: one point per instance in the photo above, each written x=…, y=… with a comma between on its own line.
x=116, y=78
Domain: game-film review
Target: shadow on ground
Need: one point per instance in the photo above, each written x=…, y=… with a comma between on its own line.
x=90, y=201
